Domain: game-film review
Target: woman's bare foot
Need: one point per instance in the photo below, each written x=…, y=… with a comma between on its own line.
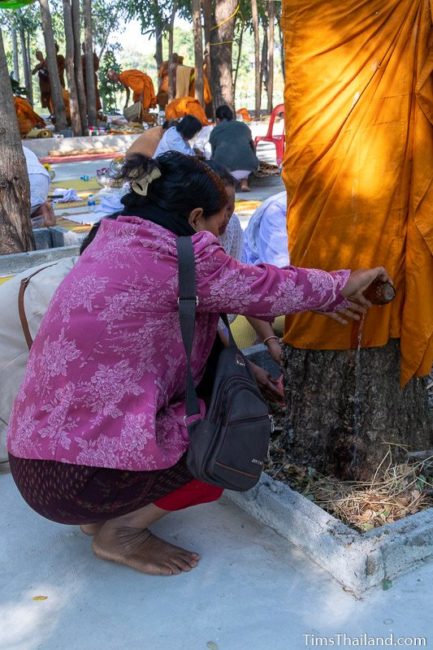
x=91, y=529
x=142, y=551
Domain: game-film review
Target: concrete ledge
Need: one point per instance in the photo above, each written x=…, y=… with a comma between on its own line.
x=11, y=264
x=359, y=561
x=42, y=146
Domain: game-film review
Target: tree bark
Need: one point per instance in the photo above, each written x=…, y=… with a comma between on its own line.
x=159, y=54
x=207, y=22
x=171, y=68
x=222, y=35
x=56, y=88
x=257, y=85
x=26, y=65
x=15, y=225
x=16, y=71
x=90, y=70
x=79, y=77
x=264, y=65
x=344, y=409
x=283, y=63
x=70, y=69
x=198, y=50
x=238, y=60
x=271, y=46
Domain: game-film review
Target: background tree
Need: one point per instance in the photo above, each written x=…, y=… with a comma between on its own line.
x=221, y=50
x=198, y=49
x=15, y=226
x=257, y=79
x=77, y=126
x=90, y=71
x=271, y=47
x=56, y=88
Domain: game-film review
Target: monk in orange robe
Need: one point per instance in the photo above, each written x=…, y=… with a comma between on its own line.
x=358, y=164
x=27, y=118
x=185, y=106
x=141, y=85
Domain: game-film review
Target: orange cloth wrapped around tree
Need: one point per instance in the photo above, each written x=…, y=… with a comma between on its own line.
x=358, y=164
x=185, y=106
x=27, y=118
x=141, y=85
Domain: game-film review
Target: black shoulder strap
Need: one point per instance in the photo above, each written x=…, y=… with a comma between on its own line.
x=187, y=309
x=188, y=302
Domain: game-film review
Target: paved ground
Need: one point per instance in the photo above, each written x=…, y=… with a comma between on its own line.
x=251, y=591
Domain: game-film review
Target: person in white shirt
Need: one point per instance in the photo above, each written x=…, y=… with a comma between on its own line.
x=177, y=137
x=41, y=211
x=265, y=238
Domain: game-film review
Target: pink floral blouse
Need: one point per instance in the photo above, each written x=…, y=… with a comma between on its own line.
x=104, y=384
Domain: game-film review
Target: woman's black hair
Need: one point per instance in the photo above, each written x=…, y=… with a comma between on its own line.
x=222, y=171
x=185, y=184
x=224, y=112
x=189, y=126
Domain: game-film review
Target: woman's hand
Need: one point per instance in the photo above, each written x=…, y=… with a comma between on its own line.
x=274, y=349
x=271, y=387
x=358, y=282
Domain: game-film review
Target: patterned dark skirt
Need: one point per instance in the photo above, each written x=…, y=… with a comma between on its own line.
x=78, y=494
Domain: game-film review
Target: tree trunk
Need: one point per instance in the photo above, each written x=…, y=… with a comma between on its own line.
x=16, y=71
x=344, y=409
x=257, y=88
x=56, y=88
x=90, y=69
x=264, y=64
x=238, y=61
x=159, y=54
x=222, y=35
x=271, y=46
x=15, y=225
x=26, y=65
x=198, y=50
x=207, y=22
x=283, y=63
x=70, y=71
x=79, y=77
x=171, y=68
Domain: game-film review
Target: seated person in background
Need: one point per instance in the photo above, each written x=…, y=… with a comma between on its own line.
x=147, y=143
x=265, y=238
x=186, y=106
x=232, y=146
x=42, y=213
x=177, y=138
x=26, y=116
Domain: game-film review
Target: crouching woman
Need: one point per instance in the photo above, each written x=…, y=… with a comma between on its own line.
x=97, y=434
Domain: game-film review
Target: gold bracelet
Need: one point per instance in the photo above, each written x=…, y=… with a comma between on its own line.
x=270, y=338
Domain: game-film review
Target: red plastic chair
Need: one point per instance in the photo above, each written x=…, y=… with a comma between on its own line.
x=277, y=140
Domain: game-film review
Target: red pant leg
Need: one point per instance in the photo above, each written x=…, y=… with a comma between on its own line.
x=190, y=494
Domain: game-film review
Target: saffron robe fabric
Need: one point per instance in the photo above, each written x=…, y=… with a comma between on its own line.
x=359, y=162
